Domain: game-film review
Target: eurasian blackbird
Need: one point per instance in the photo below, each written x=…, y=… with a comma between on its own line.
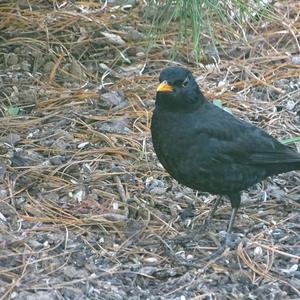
x=208, y=149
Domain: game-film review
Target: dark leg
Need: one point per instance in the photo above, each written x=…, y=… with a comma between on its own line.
x=235, y=200
x=212, y=212
x=228, y=241
x=231, y=221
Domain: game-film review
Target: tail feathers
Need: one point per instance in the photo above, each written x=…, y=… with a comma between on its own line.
x=277, y=162
x=279, y=168
x=289, y=157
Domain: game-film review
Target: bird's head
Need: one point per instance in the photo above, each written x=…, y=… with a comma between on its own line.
x=178, y=90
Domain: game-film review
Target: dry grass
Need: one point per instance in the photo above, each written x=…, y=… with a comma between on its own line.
x=96, y=201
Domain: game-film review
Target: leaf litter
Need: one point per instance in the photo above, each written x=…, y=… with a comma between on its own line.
x=87, y=212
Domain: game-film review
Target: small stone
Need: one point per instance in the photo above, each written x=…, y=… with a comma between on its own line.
x=290, y=270
x=111, y=99
x=3, y=169
x=133, y=35
x=71, y=272
x=40, y=295
x=258, y=251
x=56, y=160
x=155, y=186
x=83, y=145
x=104, y=67
x=79, y=195
x=278, y=233
x=34, y=244
x=290, y=105
x=76, y=70
x=3, y=194
x=2, y=218
x=140, y=54
x=151, y=260
x=20, y=201
x=295, y=59
x=118, y=125
x=25, y=66
x=11, y=59
x=113, y=38
x=11, y=139
x=132, y=70
x=48, y=67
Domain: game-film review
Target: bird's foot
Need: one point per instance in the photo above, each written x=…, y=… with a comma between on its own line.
x=230, y=240
x=207, y=225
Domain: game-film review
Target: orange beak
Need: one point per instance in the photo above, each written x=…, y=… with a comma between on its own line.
x=164, y=87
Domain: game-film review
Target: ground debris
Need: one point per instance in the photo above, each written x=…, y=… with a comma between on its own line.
x=86, y=210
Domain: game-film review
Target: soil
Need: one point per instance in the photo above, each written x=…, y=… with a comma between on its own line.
x=86, y=210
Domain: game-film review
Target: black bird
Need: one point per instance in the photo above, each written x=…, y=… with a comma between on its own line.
x=208, y=149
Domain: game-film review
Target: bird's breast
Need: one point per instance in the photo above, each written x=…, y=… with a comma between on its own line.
x=174, y=142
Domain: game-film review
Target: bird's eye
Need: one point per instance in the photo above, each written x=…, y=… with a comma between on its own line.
x=185, y=82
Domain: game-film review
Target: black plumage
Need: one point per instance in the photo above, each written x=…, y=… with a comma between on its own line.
x=208, y=149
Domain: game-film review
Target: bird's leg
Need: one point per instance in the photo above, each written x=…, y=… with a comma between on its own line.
x=235, y=200
x=232, y=218
x=211, y=213
x=230, y=239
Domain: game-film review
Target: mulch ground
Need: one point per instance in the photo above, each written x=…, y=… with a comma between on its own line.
x=86, y=210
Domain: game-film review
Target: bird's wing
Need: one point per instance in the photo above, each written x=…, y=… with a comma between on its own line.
x=233, y=140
